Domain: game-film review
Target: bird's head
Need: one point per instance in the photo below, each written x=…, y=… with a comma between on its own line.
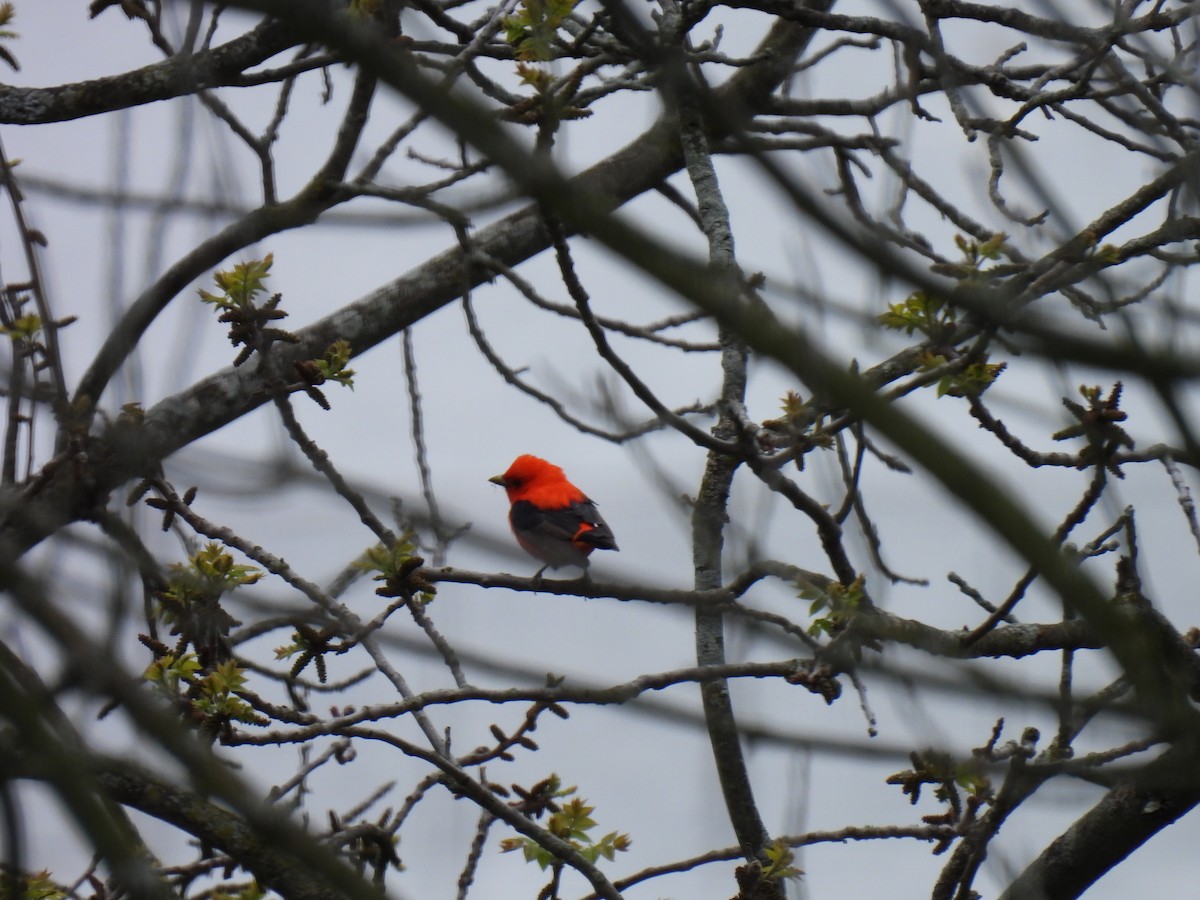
x=528, y=473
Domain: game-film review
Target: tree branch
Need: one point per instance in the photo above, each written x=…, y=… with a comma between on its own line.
x=173, y=77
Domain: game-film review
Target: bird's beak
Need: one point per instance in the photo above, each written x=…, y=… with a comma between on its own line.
x=497, y=479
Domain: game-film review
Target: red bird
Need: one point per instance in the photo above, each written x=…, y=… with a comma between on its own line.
x=550, y=517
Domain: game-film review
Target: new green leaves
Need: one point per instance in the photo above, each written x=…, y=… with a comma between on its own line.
x=533, y=27
x=571, y=821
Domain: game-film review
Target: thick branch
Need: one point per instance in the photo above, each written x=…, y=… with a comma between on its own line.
x=256, y=849
x=1126, y=817
x=175, y=77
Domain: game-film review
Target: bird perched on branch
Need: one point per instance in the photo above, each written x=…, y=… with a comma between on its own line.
x=551, y=518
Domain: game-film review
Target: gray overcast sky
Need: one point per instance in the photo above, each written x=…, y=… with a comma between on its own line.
x=649, y=775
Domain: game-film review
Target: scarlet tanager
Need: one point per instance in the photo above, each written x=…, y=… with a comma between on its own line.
x=550, y=517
